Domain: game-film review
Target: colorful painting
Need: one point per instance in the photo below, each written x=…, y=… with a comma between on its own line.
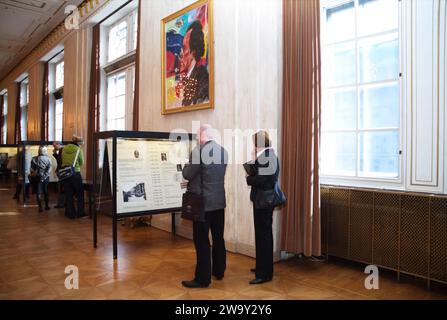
x=187, y=59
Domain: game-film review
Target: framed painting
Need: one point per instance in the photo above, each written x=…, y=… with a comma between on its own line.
x=187, y=59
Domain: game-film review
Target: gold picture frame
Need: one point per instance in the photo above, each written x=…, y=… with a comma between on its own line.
x=187, y=68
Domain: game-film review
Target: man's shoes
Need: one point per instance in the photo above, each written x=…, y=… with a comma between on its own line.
x=260, y=280
x=253, y=270
x=193, y=284
x=218, y=277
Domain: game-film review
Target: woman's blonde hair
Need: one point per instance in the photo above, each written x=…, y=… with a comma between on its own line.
x=262, y=139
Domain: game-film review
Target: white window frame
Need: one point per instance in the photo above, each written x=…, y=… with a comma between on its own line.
x=56, y=138
x=357, y=181
x=5, y=118
x=24, y=108
x=52, y=121
x=130, y=37
x=55, y=75
x=129, y=70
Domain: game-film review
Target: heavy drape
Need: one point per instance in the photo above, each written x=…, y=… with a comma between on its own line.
x=301, y=127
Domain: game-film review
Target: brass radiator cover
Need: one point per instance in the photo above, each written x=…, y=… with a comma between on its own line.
x=400, y=231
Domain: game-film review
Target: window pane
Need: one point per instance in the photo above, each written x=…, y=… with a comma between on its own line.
x=111, y=86
x=24, y=123
x=120, y=84
x=340, y=23
x=111, y=109
x=379, y=106
x=339, y=110
x=5, y=104
x=120, y=110
x=339, y=65
x=375, y=16
x=379, y=58
x=339, y=154
x=60, y=75
x=111, y=125
x=58, y=135
x=379, y=154
x=117, y=41
x=59, y=106
x=135, y=31
x=24, y=97
x=120, y=124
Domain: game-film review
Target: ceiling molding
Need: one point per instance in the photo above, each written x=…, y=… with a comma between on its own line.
x=30, y=28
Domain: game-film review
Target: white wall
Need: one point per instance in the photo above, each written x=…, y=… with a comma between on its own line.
x=248, y=75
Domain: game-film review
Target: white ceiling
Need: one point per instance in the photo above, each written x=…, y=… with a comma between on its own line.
x=23, y=24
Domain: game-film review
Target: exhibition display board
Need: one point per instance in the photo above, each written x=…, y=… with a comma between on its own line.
x=8, y=157
x=145, y=170
x=8, y=164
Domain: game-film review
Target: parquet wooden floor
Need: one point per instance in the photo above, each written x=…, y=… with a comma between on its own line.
x=35, y=249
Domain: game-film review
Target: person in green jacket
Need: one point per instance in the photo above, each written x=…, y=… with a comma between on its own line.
x=73, y=186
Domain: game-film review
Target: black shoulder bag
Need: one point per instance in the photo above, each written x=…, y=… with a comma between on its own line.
x=69, y=171
x=269, y=199
x=193, y=205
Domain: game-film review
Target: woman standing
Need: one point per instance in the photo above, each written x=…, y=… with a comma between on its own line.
x=265, y=178
x=41, y=166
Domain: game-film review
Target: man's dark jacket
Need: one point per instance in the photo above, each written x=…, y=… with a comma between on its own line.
x=214, y=165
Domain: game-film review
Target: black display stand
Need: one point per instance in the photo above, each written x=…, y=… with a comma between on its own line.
x=134, y=135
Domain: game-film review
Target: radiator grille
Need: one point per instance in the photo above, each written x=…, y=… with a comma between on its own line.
x=438, y=239
x=399, y=231
x=360, y=229
x=386, y=230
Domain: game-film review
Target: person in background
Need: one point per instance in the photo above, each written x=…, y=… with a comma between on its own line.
x=73, y=186
x=22, y=169
x=267, y=172
x=208, y=162
x=57, y=154
x=41, y=165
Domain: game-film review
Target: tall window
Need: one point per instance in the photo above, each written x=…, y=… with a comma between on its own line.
x=59, y=75
x=59, y=101
x=119, y=70
x=5, y=118
x=24, y=101
x=361, y=117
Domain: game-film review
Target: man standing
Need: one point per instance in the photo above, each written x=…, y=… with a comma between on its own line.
x=205, y=173
x=73, y=156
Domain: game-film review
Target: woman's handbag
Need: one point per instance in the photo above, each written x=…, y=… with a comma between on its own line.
x=68, y=172
x=34, y=177
x=269, y=199
x=193, y=205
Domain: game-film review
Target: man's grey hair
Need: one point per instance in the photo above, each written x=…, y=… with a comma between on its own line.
x=208, y=131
